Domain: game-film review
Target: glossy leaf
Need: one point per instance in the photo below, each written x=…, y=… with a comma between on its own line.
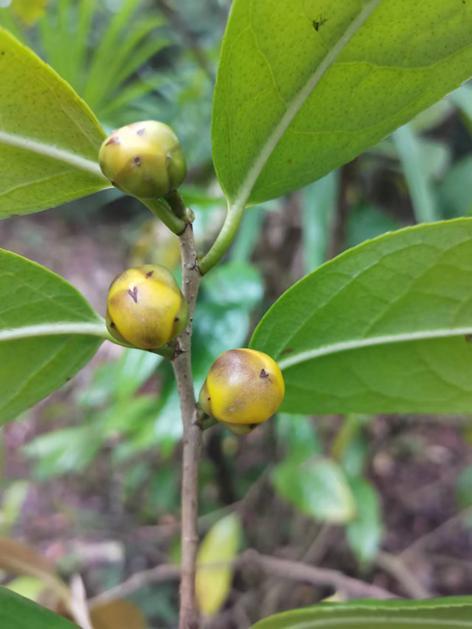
x=49, y=138
x=47, y=333
x=302, y=91
x=214, y=568
x=17, y=612
x=384, y=327
x=317, y=487
x=441, y=613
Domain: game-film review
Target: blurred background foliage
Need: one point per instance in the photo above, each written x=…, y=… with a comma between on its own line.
x=96, y=466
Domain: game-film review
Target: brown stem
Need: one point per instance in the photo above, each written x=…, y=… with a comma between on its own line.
x=182, y=365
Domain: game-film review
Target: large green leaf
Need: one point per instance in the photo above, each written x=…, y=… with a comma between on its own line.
x=441, y=613
x=47, y=332
x=49, y=138
x=384, y=327
x=17, y=612
x=306, y=86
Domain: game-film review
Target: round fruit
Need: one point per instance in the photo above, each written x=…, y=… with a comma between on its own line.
x=144, y=159
x=243, y=387
x=145, y=307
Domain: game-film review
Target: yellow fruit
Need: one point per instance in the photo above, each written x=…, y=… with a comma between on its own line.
x=145, y=307
x=144, y=159
x=243, y=387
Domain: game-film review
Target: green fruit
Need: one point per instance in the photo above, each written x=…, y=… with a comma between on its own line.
x=144, y=159
x=145, y=307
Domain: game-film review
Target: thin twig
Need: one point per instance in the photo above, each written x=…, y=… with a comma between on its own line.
x=424, y=540
x=191, y=442
x=396, y=567
x=283, y=568
x=287, y=569
x=137, y=581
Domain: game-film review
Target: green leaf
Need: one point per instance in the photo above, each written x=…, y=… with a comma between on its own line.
x=17, y=612
x=364, y=533
x=47, y=333
x=368, y=221
x=317, y=487
x=418, y=180
x=440, y=613
x=317, y=213
x=455, y=190
x=49, y=138
x=384, y=327
x=213, y=581
x=302, y=91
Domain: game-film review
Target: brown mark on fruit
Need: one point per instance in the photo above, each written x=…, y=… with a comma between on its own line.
x=149, y=273
x=133, y=293
x=263, y=374
x=137, y=160
x=141, y=131
x=113, y=140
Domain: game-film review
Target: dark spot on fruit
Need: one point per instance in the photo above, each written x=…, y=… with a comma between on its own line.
x=112, y=324
x=263, y=374
x=149, y=273
x=133, y=293
x=208, y=399
x=141, y=131
x=113, y=140
x=176, y=319
x=137, y=160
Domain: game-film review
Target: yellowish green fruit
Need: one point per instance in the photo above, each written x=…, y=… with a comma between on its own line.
x=144, y=159
x=244, y=387
x=145, y=307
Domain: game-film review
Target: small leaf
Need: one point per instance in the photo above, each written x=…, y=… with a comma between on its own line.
x=441, y=613
x=17, y=612
x=300, y=92
x=119, y=614
x=384, y=327
x=47, y=333
x=49, y=138
x=317, y=487
x=364, y=533
x=214, y=569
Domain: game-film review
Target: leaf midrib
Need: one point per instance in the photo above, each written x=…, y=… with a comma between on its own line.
x=296, y=104
x=409, y=621
x=54, y=329
x=53, y=152
x=373, y=341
